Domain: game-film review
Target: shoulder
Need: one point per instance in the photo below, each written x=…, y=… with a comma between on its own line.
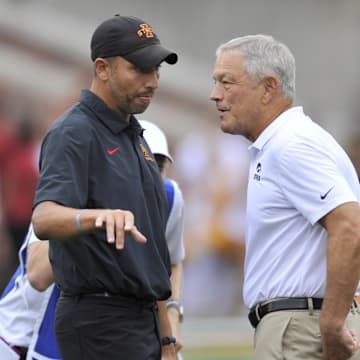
x=310, y=144
x=73, y=125
x=174, y=194
x=172, y=187
x=172, y=184
x=77, y=116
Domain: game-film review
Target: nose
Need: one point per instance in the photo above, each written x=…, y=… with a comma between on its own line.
x=216, y=93
x=152, y=80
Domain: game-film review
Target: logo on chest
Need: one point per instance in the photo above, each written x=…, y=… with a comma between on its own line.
x=112, y=151
x=257, y=175
x=146, y=153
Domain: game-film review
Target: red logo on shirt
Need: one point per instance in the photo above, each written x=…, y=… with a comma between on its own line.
x=113, y=151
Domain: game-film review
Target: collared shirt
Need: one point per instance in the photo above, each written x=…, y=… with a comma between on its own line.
x=91, y=158
x=298, y=173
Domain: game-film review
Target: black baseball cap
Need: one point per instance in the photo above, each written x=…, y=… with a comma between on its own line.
x=131, y=38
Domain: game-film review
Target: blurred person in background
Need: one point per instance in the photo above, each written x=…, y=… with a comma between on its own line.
x=302, y=262
x=90, y=196
x=6, y=264
x=20, y=306
x=18, y=177
x=214, y=225
x=174, y=232
x=7, y=141
x=5, y=249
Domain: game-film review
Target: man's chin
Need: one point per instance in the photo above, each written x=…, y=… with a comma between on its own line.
x=139, y=109
x=225, y=127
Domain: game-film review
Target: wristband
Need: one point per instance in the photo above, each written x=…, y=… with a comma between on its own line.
x=176, y=304
x=77, y=219
x=167, y=340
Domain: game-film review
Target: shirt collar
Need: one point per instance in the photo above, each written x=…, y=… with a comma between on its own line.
x=110, y=118
x=273, y=127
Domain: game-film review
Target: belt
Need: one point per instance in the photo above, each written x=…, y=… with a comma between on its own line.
x=108, y=295
x=105, y=294
x=260, y=310
x=102, y=294
x=21, y=351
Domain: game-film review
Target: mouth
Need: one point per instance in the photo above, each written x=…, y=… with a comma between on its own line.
x=222, y=112
x=145, y=98
x=221, y=108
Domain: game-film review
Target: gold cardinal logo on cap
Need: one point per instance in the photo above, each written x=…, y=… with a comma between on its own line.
x=145, y=30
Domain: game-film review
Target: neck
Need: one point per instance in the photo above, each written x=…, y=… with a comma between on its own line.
x=104, y=95
x=273, y=113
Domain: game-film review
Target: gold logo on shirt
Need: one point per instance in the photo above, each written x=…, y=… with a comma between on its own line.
x=146, y=153
x=145, y=30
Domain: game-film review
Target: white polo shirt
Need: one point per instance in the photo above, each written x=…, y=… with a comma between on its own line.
x=298, y=173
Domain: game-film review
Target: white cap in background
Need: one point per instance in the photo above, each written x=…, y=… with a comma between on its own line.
x=156, y=139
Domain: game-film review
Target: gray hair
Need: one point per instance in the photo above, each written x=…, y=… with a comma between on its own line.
x=263, y=56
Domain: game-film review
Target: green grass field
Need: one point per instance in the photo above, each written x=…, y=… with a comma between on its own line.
x=218, y=353
x=227, y=338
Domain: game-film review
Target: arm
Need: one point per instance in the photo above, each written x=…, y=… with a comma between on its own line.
x=173, y=313
x=39, y=269
x=54, y=221
x=168, y=351
x=175, y=240
x=343, y=273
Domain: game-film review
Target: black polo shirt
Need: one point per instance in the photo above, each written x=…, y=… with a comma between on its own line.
x=92, y=158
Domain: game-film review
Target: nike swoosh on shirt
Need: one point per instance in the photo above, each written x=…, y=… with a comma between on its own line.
x=113, y=151
x=322, y=197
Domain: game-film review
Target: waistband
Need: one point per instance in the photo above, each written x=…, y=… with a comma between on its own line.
x=297, y=303
x=108, y=295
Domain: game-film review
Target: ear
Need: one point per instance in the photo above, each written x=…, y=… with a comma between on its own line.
x=271, y=86
x=102, y=68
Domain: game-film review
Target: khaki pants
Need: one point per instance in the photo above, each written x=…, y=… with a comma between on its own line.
x=295, y=335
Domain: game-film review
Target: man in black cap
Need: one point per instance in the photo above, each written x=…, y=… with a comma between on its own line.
x=101, y=202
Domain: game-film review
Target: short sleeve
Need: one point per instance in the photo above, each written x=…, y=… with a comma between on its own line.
x=64, y=167
x=311, y=179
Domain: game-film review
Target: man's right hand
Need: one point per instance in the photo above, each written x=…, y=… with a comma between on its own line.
x=54, y=221
x=339, y=346
x=117, y=223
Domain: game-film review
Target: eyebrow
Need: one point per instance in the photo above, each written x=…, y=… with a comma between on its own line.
x=223, y=75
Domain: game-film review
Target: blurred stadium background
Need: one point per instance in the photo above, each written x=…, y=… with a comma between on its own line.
x=44, y=56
